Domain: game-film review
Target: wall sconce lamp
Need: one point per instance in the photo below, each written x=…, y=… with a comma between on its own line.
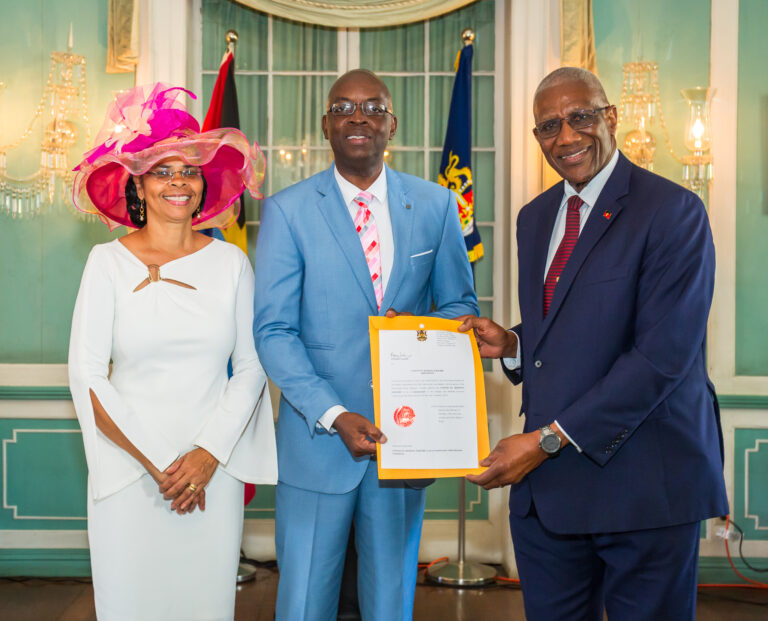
x=64, y=102
x=697, y=167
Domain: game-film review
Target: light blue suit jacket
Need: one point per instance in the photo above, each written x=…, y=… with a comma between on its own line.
x=313, y=298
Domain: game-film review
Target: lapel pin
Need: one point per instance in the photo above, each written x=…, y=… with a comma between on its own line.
x=607, y=215
x=408, y=206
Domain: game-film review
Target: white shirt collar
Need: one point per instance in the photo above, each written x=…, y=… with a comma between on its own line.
x=590, y=192
x=349, y=190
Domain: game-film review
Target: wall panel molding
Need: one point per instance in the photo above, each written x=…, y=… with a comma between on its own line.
x=35, y=393
x=743, y=402
x=750, y=494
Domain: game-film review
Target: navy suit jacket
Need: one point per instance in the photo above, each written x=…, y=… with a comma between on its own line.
x=619, y=361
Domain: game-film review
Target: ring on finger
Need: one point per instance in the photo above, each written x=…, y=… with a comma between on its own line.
x=192, y=487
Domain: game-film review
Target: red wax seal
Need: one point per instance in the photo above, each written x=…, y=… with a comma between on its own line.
x=404, y=416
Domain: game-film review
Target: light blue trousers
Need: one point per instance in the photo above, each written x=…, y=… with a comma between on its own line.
x=311, y=534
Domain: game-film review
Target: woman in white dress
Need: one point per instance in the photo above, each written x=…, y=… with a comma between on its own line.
x=169, y=436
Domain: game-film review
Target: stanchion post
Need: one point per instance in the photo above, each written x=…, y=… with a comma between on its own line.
x=461, y=573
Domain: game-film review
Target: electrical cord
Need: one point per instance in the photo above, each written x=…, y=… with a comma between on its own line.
x=728, y=522
x=741, y=553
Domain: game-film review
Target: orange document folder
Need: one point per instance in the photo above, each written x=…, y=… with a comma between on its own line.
x=404, y=416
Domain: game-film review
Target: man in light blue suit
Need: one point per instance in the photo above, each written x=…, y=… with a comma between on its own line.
x=316, y=287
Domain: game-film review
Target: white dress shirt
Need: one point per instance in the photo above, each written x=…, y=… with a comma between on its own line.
x=379, y=207
x=589, y=194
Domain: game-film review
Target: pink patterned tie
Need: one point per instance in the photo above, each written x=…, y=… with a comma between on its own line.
x=369, y=237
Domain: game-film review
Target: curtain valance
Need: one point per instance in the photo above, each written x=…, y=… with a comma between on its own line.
x=357, y=13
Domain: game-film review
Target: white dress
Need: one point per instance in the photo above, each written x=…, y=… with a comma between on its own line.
x=168, y=392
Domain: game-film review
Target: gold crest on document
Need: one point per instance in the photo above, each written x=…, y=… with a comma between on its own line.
x=421, y=335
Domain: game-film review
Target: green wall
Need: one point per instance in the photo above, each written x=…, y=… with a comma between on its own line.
x=42, y=258
x=751, y=199
x=675, y=35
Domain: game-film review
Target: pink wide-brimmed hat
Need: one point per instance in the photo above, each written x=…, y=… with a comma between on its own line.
x=145, y=125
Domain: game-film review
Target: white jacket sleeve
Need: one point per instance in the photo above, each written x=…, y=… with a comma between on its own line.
x=110, y=467
x=237, y=411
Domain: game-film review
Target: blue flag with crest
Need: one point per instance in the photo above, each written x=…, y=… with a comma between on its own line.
x=455, y=166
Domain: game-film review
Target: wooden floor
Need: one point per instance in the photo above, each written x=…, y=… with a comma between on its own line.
x=72, y=600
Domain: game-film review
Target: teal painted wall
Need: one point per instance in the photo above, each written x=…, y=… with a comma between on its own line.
x=43, y=475
x=675, y=35
x=752, y=197
x=42, y=258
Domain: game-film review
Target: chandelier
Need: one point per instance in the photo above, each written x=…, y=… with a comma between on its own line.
x=64, y=102
x=640, y=105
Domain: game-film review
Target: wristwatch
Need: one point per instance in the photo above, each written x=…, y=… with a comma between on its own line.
x=549, y=441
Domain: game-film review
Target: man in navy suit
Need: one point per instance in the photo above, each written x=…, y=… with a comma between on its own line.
x=320, y=273
x=621, y=455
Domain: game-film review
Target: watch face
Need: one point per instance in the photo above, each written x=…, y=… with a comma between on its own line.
x=550, y=443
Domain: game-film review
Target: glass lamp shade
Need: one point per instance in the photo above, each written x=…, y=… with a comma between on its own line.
x=698, y=126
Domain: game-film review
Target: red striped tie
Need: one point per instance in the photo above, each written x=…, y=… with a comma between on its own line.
x=563, y=250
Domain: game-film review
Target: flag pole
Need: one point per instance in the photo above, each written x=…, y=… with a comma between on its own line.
x=245, y=570
x=462, y=573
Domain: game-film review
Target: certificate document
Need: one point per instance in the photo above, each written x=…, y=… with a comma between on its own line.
x=429, y=398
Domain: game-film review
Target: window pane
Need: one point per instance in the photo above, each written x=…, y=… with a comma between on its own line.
x=253, y=207
x=251, y=234
x=252, y=104
x=445, y=36
x=408, y=102
x=393, y=49
x=482, y=111
x=484, y=266
x=299, y=106
x=483, y=176
x=303, y=47
x=435, y=158
x=440, y=90
x=251, y=26
x=290, y=165
x=486, y=310
x=411, y=162
x=319, y=160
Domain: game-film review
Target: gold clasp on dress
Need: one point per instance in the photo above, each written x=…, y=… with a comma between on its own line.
x=154, y=276
x=154, y=272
